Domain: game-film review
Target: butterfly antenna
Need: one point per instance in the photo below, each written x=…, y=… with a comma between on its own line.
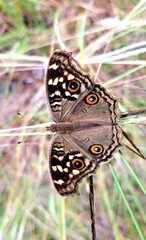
x=46, y=128
x=136, y=151
x=92, y=209
x=33, y=120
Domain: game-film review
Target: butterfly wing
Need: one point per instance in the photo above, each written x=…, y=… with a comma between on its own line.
x=98, y=132
x=65, y=83
x=68, y=165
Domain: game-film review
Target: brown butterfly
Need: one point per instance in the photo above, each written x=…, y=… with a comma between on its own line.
x=86, y=123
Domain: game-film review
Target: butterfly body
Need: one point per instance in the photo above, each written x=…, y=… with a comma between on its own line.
x=87, y=130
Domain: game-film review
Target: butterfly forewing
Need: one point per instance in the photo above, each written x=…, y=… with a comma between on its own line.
x=65, y=84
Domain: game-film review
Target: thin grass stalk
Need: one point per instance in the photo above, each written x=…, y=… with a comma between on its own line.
x=130, y=210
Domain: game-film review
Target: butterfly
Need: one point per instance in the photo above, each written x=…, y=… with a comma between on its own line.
x=86, y=123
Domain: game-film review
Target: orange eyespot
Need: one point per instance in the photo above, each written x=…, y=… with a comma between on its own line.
x=96, y=149
x=78, y=163
x=73, y=86
x=91, y=99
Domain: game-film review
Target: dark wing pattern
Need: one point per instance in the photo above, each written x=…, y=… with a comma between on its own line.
x=65, y=84
x=68, y=166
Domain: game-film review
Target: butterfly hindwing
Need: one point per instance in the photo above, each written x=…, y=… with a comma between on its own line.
x=68, y=165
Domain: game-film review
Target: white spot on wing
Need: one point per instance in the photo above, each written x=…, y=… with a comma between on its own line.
x=53, y=66
x=67, y=94
x=70, y=77
x=71, y=157
x=68, y=164
x=78, y=154
x=54, y=168
x=55, y=103
x=60, y=181
x=58, y=148
x=75, y=95
x=55, y=81
x=57, y=92
x=65, y=169
x=50, y=81
x=61, y=79
x=75, y=171
x=64, y=85
x=60, y=158
x=60, y=168
x=52, y=95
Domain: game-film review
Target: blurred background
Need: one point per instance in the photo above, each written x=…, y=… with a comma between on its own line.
x=108, y=39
